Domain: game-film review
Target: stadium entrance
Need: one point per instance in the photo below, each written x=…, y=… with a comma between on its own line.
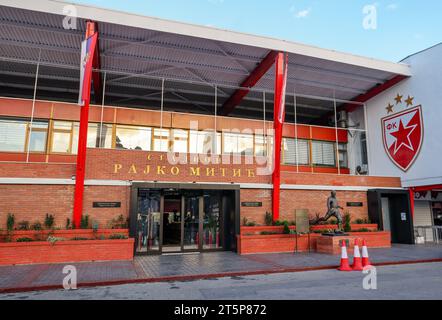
x=183, y=218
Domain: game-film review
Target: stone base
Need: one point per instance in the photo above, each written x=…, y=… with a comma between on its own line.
x=332, y=245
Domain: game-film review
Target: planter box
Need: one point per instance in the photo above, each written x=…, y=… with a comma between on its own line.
x=275, y=243
x=65, y=234
x=331, y=245
x=279, y=229
x=279, y=243
x=66, y=251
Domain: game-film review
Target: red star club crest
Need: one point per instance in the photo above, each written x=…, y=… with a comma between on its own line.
x=403, y=135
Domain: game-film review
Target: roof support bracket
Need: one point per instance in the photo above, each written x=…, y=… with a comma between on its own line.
x=250, y=82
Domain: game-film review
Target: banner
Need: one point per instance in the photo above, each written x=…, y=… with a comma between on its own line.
x=87, y=57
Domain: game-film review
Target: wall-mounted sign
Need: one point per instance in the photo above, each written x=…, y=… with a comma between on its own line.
x=403, y=216
x=251, y=204
x=355, y=204
x=107, y=205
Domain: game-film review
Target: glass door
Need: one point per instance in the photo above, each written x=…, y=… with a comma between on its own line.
x=148, y=221
x=191, y=231
x=172, y=222
x=212, y=221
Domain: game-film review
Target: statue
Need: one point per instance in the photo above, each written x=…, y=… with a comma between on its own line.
x=333, y=210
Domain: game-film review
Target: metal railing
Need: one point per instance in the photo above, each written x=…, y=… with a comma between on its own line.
x=431, y=234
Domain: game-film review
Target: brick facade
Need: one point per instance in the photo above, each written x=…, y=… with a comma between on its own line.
x=31, y=202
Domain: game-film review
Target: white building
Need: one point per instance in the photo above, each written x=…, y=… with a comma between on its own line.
x=422, y=171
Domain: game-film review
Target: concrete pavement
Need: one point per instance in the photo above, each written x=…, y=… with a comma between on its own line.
x=403, y=282
x=195, y=266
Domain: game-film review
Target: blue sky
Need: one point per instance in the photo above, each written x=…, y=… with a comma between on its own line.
x=403, y=26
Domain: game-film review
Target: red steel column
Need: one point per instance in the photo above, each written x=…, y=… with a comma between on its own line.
x=82, y=143
x=278, y=119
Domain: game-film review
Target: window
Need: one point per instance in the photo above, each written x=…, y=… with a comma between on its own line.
x=201, y=142
x=323, y=153
x=343, y=156
x=289, y=151
x=161, y=140
x=261, y=146
x=133, y=138
x=62, y=137
x=179, y=138
x=95, y=140
x=235, y=143
x=364, y=148
x=37, y=137
x=12, y=135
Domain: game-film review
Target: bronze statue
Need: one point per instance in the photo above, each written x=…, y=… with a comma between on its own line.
x=333, y=210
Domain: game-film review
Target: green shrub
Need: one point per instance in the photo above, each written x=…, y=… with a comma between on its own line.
x=251, y=224
x=268, y=233
x=244, y=221
x=37, y=226
x=23, y=226
x=68, y=224
x=362, y=230
x=25, y=240
x=49, y=221
x=363, y=221
x=119, y=223
x=79, y=239
x=10, y=222
x=278, y=223
x=286, y=228
x=347, y=222
x=84, y=223
x=268, y=219
x=117, y=237
x=95, y=226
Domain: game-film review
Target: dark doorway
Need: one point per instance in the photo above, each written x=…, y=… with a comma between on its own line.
x=391, y=210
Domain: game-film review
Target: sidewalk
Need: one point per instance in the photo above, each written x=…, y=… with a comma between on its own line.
x=195, y=266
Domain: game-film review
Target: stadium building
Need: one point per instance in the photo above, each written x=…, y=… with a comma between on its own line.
x=193, y=132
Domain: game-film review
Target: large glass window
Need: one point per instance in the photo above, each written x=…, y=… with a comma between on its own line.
x=133, y=138
x=161, y=140
x=343, y=157
x=290, y=155
x=12, y=135
x=97, y=140
x=323, y=153
x=235, y=143
x=63, y=136
x=37, y=136
x=180, y=140
x=201, y=142
x=261, y=146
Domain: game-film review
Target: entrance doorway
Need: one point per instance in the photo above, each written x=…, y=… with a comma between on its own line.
x=391, y=210
x=177, y=220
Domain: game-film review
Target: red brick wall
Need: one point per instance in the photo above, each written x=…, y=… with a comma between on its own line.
x=32, y=202
x=313, y=200
x=37, y=170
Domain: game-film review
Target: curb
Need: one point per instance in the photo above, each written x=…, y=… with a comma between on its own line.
x=202, y=276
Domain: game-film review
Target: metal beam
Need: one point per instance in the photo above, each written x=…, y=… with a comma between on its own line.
x=249, y=82
x=372, y=93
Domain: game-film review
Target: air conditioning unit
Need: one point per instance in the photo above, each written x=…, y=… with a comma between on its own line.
x=362, y=170
x=342, y=118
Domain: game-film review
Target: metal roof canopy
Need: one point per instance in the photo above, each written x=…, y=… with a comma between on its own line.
x=192, y=59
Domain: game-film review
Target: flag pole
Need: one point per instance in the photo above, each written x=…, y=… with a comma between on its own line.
x=85, y=92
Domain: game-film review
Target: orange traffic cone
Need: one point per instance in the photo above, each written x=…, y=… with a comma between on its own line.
x=357, y=261
x=345, y=266
x=365, y=259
